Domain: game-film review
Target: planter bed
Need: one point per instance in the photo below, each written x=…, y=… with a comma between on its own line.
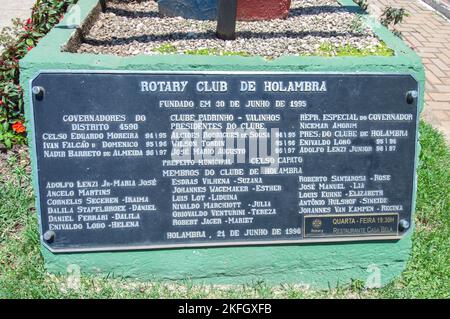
x=321, y=27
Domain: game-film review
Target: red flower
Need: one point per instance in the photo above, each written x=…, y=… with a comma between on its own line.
x=19, y=88
x=1, y=102
x=29, y=21
x=18, y=127
x=29, y=48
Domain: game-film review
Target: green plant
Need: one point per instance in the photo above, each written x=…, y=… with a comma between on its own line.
x=393, y=16
x=166, y=48
x=45, y=14
x=329, y=49
x=362, y=3
x=8, y=136
x=214, y=51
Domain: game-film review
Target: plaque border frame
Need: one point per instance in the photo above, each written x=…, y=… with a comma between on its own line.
x=304, y=241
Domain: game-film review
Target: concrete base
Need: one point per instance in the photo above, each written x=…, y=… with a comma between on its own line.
x=317, y=265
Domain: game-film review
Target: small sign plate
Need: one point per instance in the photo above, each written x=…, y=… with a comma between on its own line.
x=351, y=225
x=159, y=160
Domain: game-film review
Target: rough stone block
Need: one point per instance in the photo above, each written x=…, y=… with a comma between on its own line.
x=207, y=9
x=263, y=9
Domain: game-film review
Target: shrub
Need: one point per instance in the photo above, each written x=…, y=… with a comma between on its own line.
x=363, y=4
x=45, y=14
x=393, y=16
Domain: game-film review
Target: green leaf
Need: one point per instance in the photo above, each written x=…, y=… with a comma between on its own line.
x=8, y=143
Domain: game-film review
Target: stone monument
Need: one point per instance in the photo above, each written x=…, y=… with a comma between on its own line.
x=223, y=169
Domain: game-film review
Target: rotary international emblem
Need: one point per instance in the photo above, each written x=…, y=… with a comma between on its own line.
x=316, y=223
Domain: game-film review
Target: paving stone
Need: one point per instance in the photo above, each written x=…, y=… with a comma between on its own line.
x=14, y=9
x=428, y=33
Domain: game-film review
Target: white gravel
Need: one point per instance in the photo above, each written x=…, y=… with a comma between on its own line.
x=135, y=27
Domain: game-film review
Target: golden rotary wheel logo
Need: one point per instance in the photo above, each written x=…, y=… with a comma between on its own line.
x=316, y=223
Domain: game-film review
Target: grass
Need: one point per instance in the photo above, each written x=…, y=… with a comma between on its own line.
x=326, y=49
x=207, y=51
x=168, y=48
x=22, y=273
